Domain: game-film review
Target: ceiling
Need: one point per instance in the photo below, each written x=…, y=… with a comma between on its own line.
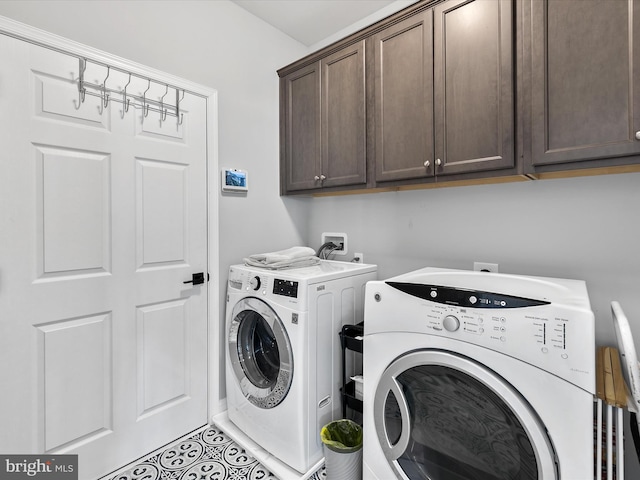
x=310, y=21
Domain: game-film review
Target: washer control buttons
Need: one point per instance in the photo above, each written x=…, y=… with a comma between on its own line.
x=451, y=323
x=473, y=299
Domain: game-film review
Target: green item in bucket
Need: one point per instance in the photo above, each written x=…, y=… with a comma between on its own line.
x=343, y=436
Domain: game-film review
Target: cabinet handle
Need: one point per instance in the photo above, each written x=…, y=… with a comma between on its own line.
x=427, y=163
x=322, y=177
x=316, y=178
x=638, y=135
x=438, y=162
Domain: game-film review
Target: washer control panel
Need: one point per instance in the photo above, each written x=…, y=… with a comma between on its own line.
x=286, y=288
x=263, y=285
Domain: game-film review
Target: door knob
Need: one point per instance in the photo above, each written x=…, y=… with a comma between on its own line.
x=197, y=278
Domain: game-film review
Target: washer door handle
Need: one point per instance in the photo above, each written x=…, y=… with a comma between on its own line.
x=391, y=451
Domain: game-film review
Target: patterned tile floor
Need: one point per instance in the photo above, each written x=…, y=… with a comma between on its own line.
x=208, y=454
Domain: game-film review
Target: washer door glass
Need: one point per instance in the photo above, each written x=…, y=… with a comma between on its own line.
x=260, y=353
x=443, y=416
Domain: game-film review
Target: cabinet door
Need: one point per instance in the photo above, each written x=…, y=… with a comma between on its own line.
x=584, y=80
x=344, y=123
x=473, y=83
x=403, y=70
x=300, y=129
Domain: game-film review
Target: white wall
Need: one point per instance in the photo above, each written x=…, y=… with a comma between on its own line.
x=584, y=228
x=221, y=46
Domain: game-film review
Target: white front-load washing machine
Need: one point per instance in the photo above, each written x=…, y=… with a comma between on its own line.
x=283, y=372
x=474, y=375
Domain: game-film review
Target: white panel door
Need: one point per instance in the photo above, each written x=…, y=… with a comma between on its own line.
x=103, y=348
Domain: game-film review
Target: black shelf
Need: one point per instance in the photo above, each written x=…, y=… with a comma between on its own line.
x=350, y=339
x=349, y=397
x=349, y=334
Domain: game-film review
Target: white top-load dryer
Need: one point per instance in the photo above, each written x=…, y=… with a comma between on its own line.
x=283, y=372
x=474, y=375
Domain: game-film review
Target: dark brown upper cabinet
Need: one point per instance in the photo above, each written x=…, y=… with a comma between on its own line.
x=582, y=82
x=474, y=86
x=323, y=122
x=444, y=91
x=403, y=101
x=300, y=120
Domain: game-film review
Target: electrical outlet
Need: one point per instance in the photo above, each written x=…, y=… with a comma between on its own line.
x=358, y=257
x=339, y=239
x=485, y=267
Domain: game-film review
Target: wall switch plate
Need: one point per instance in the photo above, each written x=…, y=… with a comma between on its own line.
x=485, y=267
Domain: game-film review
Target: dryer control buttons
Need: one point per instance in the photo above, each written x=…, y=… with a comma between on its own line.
x=255, y=283
x=451, y=323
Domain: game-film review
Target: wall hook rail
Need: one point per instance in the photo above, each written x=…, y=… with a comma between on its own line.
x=124, y=96
x=121, y=96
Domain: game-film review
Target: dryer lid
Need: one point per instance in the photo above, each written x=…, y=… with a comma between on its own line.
x=629, y=356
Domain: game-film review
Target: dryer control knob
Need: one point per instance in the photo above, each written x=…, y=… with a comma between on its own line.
x=451, y=323
x=255, y=283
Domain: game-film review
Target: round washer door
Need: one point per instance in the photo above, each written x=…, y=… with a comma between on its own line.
x=260, y=353
x=445, y=416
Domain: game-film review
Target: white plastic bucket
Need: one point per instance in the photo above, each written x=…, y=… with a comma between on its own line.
x=343, y=466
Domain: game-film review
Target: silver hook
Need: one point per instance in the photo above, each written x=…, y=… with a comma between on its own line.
x=179, y=115
x=81, y=89
x=105, y=95
x=145, y=105
x=126, y=101
x=163, y=111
